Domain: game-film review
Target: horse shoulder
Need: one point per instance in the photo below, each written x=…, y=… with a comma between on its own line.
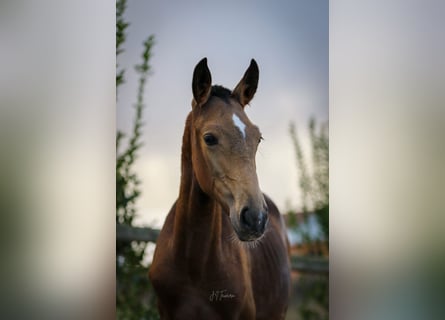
x=160, y=269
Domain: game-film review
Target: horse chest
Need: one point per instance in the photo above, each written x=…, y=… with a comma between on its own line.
x=216, y=294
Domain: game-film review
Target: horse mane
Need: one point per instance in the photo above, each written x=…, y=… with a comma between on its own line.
x=221, y=92
x=186, y=159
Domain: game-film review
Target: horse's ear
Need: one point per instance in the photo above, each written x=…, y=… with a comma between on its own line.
x=202, y=82
x=246, y=88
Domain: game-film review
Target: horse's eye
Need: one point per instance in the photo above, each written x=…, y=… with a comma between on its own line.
x=261, y=139
x=210, y=139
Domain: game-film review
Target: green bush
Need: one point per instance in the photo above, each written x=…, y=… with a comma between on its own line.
x=135, y=298
x=312, y=291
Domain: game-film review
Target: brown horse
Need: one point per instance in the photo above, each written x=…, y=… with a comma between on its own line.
x=223, y=251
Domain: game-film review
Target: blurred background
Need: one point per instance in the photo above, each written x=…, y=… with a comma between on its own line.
x=58, y=152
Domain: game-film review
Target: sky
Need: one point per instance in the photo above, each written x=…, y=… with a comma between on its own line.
x=290, y=42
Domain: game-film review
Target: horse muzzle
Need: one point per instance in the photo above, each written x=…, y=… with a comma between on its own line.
x=251, y=223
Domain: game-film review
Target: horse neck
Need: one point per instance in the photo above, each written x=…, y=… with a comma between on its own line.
x=198, y=218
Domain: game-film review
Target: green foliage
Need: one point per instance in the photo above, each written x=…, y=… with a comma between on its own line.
x=315, y=301
x=314, y=183
x=292, y=219
x=127, y=182
x=121, y=26
x=135, y=297
x=304, y=178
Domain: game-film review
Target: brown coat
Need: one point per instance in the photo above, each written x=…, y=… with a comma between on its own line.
x=223, y=251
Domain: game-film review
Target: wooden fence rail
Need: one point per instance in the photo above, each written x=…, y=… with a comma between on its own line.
x=127, y=234
x=305, y=264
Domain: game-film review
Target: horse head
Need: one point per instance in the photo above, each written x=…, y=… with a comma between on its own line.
x=224, y=143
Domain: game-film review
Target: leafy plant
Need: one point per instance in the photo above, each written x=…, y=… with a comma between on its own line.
x=135, y=298
x=314, y=183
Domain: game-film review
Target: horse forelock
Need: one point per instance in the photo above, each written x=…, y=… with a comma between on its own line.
x=221, y=92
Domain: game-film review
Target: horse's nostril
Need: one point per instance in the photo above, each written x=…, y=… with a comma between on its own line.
x=262, y=221
x=253, y=220
x=243, y=216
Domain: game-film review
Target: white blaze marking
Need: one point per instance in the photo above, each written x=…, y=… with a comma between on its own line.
x=239, y=124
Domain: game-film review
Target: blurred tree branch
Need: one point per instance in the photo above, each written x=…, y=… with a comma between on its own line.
x=134, y=297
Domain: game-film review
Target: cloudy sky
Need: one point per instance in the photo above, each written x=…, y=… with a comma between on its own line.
x=288, y=39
